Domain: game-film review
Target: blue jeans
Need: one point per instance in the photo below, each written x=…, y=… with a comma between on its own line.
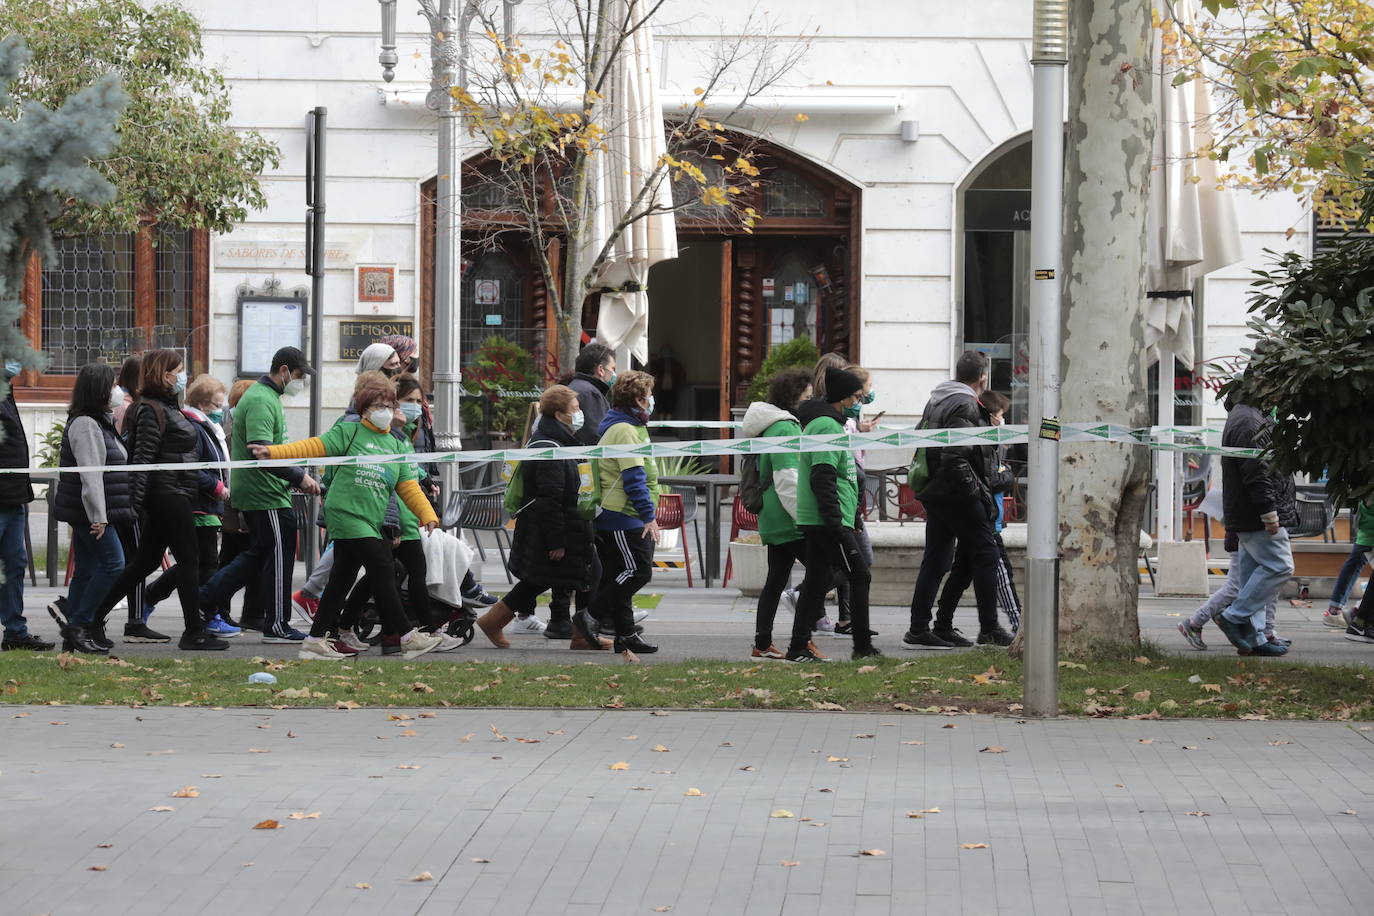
x=1349, y=575
x=15, y=563
x=1266, y=562
x=96, y=564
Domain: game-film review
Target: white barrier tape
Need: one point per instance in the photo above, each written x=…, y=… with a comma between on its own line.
x=879, y=439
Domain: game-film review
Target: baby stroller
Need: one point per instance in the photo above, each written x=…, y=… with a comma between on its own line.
x=462, y=619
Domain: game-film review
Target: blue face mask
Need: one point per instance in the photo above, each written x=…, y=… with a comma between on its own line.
x=216, y=416
x=12, y=368
x=871, y=396
x=180, y=384
x=410, y=410
x=853, y=411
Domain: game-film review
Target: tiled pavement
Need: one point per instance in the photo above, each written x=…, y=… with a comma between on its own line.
x=1091, y=817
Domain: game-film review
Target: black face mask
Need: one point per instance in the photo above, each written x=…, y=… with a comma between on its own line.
x=390, y=373
x=413, y=366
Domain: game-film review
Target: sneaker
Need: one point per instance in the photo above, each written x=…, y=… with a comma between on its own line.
x=531, y=624
x=1241, y=635
x=351, y=640
x=1272, y=649
x=640, y=614
x=57, y=610
x=803, y=655
x=96, y=632
x=771, y=652
x=478, y=597
x=447, y=643
x=820, y=656
x=825, y=625
x=314, y=647
x=217, y=627
x=866, y=652
x=994, y=637
x=1193, y=635
x=412, y=645
x=141, y=632
x=339, y=646
x=846, y=628
x=305, y=604
x=1336, y=618
x=607, y=628
x=924, y=640
x=1359, y=634
x=956, y=638
x=28, y=643
x=289, y=636
x=201, y=642
x=1278, y=640
x=789, y=597
x=558, y=629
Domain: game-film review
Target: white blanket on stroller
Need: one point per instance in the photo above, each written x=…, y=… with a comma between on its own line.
x=447, y=558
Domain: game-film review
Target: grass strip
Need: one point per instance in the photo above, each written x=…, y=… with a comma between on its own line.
x=1117, y=684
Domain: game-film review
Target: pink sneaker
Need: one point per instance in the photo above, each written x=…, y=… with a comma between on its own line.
x=305, y=604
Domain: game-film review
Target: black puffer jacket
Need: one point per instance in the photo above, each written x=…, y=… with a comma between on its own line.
x=72, y=497
x=549, y=519
x=958, y=473
x=1249, y=488
x=170, y=440
x=15, y=489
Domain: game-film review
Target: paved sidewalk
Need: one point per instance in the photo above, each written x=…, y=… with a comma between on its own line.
x=1086, y=817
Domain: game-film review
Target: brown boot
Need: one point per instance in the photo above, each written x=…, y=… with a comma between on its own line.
x=580, y=642
x=584, y=633
x=494, y=621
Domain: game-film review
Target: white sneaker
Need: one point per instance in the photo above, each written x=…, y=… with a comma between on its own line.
x=530, y=624
x=416, y=643
x=351, y=639
x=312, y=647
x=1338, y=620
x=825, y=625
x=790, y=596
x=447, y=643
x=640, y=615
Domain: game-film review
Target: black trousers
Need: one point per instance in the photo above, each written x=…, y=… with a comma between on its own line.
x=965, y=523
x=627, y=565
x=207, y=548
x=270, y=560
x=128, y=539
x=563, y=598
x=829, y=551
x=411, y=556
x=780, y=560
x=233, y=543
x=374, y=556
x=167, y=524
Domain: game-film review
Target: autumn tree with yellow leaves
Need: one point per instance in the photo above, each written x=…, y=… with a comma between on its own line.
x=1294, y=81
x=538, y=103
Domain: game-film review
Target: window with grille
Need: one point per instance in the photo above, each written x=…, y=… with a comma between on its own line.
x=787, y=193
x=792, y=300
x=104, y=297
x=493, y=303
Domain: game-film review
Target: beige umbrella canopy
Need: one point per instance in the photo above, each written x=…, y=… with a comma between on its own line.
x=621, y=191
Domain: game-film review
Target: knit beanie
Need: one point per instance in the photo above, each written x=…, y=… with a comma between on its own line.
x=840, y=384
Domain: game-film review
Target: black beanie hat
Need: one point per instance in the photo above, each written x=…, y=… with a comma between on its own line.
x=840, y=384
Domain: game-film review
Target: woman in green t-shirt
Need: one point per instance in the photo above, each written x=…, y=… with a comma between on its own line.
x=356, y=508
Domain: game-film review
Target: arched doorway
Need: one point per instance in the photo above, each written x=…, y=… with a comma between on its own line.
x=715, y=311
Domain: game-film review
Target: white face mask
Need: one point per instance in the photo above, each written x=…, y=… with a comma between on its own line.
x=577, y=420
x=381, y=417
x=294, y=387
x=650, y=409
x=116, y=397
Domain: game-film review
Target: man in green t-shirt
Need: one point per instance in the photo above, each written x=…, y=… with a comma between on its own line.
x=827, y=514
x=263, y=496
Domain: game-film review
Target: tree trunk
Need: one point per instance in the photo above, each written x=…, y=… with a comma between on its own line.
x=1102, y=487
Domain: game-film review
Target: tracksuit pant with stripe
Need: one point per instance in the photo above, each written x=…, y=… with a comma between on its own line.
x=627, y=565
x=271, y=558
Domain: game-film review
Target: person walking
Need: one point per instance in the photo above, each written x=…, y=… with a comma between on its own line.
x=16, y=492
x=777, y=416
x=553, y=545
x=592, y=384
x=1259, y=504
x=159, y=433
x=1363, y=518
x=828, y=514
x=960, y=508
x=92, y=502
x=356, y=505
x=263, y=496
x=1220, y=600
x=235, y=536
x=206, y=401
x=626, y=528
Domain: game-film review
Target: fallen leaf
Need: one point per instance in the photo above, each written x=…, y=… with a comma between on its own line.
x=865, y=669
x=973, y=845
x=693, y=791
x=302, y=816
x=1198, y=814
x=782, y=812
x=930, y=810
x=421, y=687
x=98, y=868
x=747, y=769
x=162, y=808
x=914, y=814
x=466, y=738
x=949, y=725
x=57, y=723
x=863, y=736
x=993, y=749
x=347, y=704
x=659, y=749
x=186, y=792
x=362, y=885
x=872, y=852
x=836, y=759
x=1350, y=811
x=621, y=765
x=1141, y=696
x=1213, y=688
x=827, y=705
x=629, y=737
x=662, y=909
x=1141, y=660
x=1145, y=741
x=1279, y=743
x=407, y=766
x=497, y=733
x=25, y=715
x=1190, y=747
x=904, y=707
x=268, y=824
x=825, y=790
x=411, y=733
x=726, y=744
x=398, y=717
x=481, y=861
x=103, y=845
x=428, y=715
x=914, y=742
x=211, y=775
x=290, y=734
x=527, y=740
x=786, y=864
x=662, y=772
x=116, y=744
x=258, y=750
x=422, y=876
x=658, y=712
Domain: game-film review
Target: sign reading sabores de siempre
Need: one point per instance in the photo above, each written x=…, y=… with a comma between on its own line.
x=354, y=336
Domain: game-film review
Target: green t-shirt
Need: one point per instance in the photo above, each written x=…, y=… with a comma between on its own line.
x=355, y=505
x=846, y=476
x=257, y=418
x=608, y=470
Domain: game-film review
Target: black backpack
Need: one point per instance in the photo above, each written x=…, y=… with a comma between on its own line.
x=751, y=485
